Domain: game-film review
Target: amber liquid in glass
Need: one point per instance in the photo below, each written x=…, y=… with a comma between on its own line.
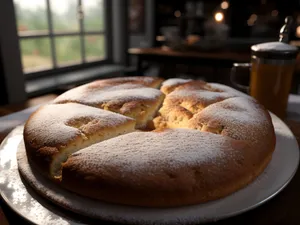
x=270, y=84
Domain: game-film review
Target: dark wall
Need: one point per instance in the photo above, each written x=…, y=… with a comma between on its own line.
x=145, y=39
x=236, y=16
x=241, y=10
x=239, y=16
x=11, y=69
x=3, y=91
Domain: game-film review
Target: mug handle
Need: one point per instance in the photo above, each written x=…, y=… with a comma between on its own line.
x=240, y=69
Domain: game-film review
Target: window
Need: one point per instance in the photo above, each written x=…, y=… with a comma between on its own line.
x=57, y=34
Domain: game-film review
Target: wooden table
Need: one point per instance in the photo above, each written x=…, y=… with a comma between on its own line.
x=170, y=58
x=283, y=209
x=8, y=109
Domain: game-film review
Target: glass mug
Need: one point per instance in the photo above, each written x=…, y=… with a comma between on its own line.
x=270, y=75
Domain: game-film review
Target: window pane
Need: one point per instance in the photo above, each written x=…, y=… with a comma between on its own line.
x=93, y=15
x=94, y=47
x=68, y=50
x=36, y=54
x=31, y=16
x=64, y=15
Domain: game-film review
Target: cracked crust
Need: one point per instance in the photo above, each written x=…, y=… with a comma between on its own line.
x=209, y=141
x=131, y=99
x=54, y=132
x=153, y=82
x=173, y=167
x=187, y=99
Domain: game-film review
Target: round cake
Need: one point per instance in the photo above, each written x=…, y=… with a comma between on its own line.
x=143, y=141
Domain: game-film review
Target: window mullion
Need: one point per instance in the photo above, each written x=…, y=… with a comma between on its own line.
x=51, y=35
x=107, y=28
x=81, y=21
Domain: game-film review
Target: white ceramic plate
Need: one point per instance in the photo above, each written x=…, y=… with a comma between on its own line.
x=31, y=206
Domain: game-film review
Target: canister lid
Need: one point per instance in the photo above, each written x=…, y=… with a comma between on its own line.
x=274, y=50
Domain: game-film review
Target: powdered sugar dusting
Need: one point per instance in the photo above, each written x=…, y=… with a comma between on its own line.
x=200, y=94
x=175, y=81
x=275, y=47
x=125, y=95
x=121, y=93
x=284, y=163
x=145, y=79
x=142, y=80
x=241, y=118
x=142, y=154
x=49, y=124
x=224, y=88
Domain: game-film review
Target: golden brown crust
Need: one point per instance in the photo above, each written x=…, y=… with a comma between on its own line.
x=166, y=178
x=156, y=198
x=189, y=98
x=129, y=96
x=55, y=131
x=227, y=141
x=153, y=82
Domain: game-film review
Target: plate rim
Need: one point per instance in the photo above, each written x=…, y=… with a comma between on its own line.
x=221, y=217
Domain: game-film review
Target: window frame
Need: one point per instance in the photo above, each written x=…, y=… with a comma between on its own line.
x=106, y=32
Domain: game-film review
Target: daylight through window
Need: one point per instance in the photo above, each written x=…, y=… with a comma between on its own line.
x=56, y=33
